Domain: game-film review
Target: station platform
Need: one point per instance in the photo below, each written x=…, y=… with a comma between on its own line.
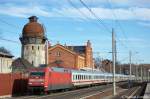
x=147, y=92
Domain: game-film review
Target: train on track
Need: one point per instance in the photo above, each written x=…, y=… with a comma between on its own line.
x=53, y=78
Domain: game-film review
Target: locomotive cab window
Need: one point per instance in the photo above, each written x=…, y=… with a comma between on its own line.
x=37, y=74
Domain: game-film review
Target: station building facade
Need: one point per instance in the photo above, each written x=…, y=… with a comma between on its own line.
x=76, y=57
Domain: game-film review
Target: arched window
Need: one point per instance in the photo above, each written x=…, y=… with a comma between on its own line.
x=58, y=53
x=38, y=47
x=32, y=47
x=32, y=62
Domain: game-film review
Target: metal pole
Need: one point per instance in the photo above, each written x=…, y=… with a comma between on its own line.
x=148, y=75
x=116, y=55
x=114, y=63
x=47, y=45
x=136, y=72
x=141, y=74
x=110, y=67
x=130, y=55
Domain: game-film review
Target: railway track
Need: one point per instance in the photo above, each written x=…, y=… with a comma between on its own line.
x=73, y=94
x=131, y=93
x=76, y=94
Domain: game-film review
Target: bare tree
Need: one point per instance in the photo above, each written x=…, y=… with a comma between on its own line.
x=4, y=50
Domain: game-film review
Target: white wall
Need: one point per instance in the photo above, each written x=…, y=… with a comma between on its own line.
x=5, y=65
x=35, y=54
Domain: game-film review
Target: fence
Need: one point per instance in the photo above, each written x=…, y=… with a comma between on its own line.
x=13, y=84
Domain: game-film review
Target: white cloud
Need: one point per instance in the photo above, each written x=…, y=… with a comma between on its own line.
x=132, y=40
x=20, y=11
x=146, y=24
x=104, y=13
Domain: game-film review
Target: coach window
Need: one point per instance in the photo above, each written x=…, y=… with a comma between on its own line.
x=73, y=77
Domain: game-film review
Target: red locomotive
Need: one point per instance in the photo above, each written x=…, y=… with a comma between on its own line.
x=48, y=78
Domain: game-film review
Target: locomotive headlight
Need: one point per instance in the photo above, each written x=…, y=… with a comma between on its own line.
x=30, y=83
x=45, y=86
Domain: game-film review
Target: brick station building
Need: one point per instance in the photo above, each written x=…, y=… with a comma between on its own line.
x=76, y=57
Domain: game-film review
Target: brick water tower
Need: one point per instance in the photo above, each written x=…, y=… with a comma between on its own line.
x=33, y=42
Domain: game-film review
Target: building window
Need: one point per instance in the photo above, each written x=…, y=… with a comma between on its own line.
x=58, y=54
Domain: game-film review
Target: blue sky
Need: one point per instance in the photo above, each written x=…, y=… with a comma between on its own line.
x=67, y=25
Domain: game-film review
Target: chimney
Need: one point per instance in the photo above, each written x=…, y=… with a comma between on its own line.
x=33, y=19
x=88, y=43
x=65, y=45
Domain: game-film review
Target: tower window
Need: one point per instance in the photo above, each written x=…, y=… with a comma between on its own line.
x=32, y=62
x=38, y=47
x=26, y=47
x=32, y=47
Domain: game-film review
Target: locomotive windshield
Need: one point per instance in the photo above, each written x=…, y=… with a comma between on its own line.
x=37, y=74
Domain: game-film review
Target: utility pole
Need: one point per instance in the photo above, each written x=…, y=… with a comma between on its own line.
x=47, y=45
x=148, y=75
x=114, y=63
x=116, y=57
x=141, y=73
x=130, y=78
x=137, y=74
x=130, y=55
